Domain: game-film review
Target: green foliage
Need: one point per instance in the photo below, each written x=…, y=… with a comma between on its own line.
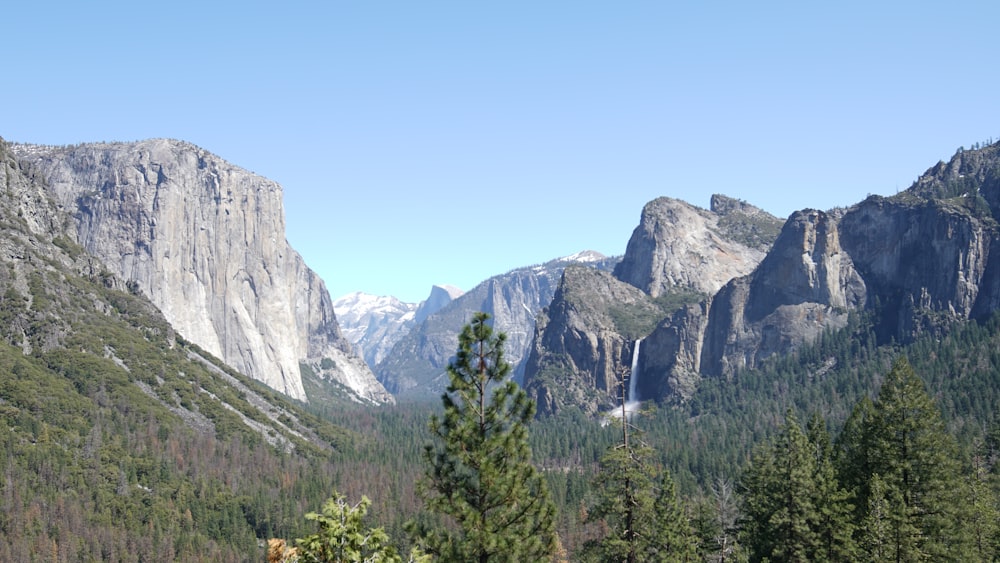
x=342, y=536
x=636, y=522
x=908, y=474
x=624, y=505
x=125, y=443
x=638, y=320
x=794, y=508
x=756, y=231
x=481, y=477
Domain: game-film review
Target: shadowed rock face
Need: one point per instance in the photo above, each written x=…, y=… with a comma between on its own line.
x=920, y=261
x=806, y=285
x=205, y=241
x=579, y=350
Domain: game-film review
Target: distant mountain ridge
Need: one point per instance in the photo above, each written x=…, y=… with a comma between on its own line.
x=415, y=367
x=205, y=240
x=710, y=293
x=373, y=324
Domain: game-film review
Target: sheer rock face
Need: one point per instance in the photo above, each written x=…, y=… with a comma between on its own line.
x=919, y=261
x=926, y=257
x=807, y=284
x=205, y=241
x=678, y=245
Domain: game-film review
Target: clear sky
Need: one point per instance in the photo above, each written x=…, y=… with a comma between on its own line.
x=426, y=142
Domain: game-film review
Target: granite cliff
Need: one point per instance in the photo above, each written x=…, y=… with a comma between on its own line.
x=914, y=264
x=205, y=241
x=677, y=255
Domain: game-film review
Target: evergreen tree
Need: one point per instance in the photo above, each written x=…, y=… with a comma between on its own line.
x=876, y=536
x=833, y=522
x=342, y=536
x=623, y=488
x=673, y=539
x=777, y=500
x=905, y=470
x=852, y=455
x=984, y=521
x=481, y=477
x=640, y=525
x=794, y=509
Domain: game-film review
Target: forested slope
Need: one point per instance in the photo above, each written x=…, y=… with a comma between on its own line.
x=121, y=441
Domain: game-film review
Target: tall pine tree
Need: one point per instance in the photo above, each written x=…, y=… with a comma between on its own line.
x=639, y=523
x=495, y=503
x=918, y=460
x=794, y=510
x=673, y=539
x=904, y=470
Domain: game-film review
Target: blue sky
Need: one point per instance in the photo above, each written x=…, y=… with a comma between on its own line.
x=424, y=143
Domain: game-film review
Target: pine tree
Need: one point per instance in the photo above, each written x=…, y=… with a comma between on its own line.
x=984, y=521
x=778, y=498
x=673, y=539
x=624, y=491
x=625, y=503
x=640, y=525
x=496, y=504
x=342, y=536
x=876, y=537
x=852, y=455
x=834, y=524
x=904, y=468
x=794, y=508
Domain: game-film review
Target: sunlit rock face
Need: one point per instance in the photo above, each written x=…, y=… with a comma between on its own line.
x=205, y=241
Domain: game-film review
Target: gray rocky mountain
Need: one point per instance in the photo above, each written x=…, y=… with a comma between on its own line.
x=585, y=338
x=205, y=241
x=916, y=264
x=373, y=324
x=415, y=368
x=678, y=255
x=805, y=285
x=678, y=245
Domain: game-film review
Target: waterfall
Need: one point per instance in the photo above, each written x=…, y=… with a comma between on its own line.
x=633, y=377
x=631, y=405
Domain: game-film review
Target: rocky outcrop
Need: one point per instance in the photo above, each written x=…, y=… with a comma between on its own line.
x=917, y=262
x=205, y=241
x=680, y=246
x=926, y=262
x=416, y=367
x=807, y=284
x=584, y=341
x=677, y=256
x=374, y=324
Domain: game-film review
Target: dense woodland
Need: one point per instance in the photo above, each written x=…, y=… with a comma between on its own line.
x=123, y=442
x=96, y=470
x=719, y=452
